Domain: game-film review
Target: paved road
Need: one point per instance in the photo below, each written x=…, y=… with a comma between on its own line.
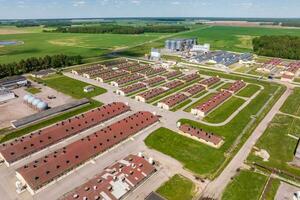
x=216, y=187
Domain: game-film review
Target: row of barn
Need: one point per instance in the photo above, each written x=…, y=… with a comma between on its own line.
x=204, y=108
x=36, y=175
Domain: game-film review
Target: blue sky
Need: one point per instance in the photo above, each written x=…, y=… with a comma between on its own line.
x=11, y=9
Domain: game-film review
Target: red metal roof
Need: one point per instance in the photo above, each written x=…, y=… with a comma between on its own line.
x=112, y=75
x=190, y=77
x=153, y=71
x=126, y=173
x=128, y=79
x=210, y=81
x=151, y=93
x=155, y=80
x=172, y=74
x=173, y=84
x=201, y=134
x=195, y=89
x=174, y=99
x=46, y=169
x=236, y=86
x=36, y=141
x=214, y=101
x=132, y=88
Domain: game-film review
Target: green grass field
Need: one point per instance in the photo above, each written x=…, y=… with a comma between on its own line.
x=246, y=185
x=181, y=105
x=271, y=189
x=194, y=155
x=235, y=38
x=87, y=45
x=292, y=104
x=248, y=91
x=272, y=141
x=225, y=110
x=71, y=86
x=33, y=90
x=177, y=188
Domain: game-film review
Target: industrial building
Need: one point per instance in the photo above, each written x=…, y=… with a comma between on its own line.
x=203, y=109
x=209, y=81
x=13, y=82
x=180, y=44
x=115, y=181
x=43, y=73
x=39, y=173
x=145, y=96
x=6, y=94
x=126, y=79
x=172, y=100
x=153, y=81
x=194, y=89
x=236, y=86
x=201, y=135
x=200, y=48
x=36, y=141
x=155, y=54
x=131, y=88
x=172, y=74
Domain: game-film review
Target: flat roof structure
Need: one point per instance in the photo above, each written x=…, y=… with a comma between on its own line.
x=190, y=77
x=154, y=81
x=195, y=89
x=210, y=81
x=173, y=84
x=236, y=86
x=209, y=138
x=212, y=103
x=39, y=173
x=115, y=181
x=13, y=81
x=36, y=141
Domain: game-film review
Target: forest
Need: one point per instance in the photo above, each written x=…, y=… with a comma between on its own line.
x=278, y=46
x=36, y=64
x=117, y=29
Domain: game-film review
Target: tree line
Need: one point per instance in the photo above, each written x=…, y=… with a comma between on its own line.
x=278, y=46
x=36, y=64
x=117, y=29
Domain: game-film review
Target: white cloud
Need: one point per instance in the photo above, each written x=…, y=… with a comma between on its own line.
x=79, y=3
x=135, y=1
x=175, y=2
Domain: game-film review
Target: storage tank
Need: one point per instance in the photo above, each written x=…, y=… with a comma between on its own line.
x=42, y=105
x=178, y=44
x=36, y=101
x=25, y=98
x=168, y=44
x=173, y=45
x=30, y=99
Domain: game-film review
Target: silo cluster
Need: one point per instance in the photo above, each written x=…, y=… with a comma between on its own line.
x=35, y=103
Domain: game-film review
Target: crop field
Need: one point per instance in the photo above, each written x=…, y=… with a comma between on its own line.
x=177, y=188
x=292, y=105
x=235, y=38
x=87, y=45
x=225, y=110
x=246, y=184
x=272, y=141
x=71, y=86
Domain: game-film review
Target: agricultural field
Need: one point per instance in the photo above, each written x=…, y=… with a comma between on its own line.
x=177, y=188
x=292, y=105
x=38, y=44
x=246, y=184
x=71, y=86
x=282, y=130
x=235, y=38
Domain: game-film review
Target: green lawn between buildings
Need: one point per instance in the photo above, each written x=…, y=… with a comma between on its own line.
x=248, y=91
x=207, y=161
x=247, y=185
x=278, y=144
x=177, y=188
x=71, y=87
x=292, y=105
x=33, y=90
x=199, y=101
x=225, y=110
